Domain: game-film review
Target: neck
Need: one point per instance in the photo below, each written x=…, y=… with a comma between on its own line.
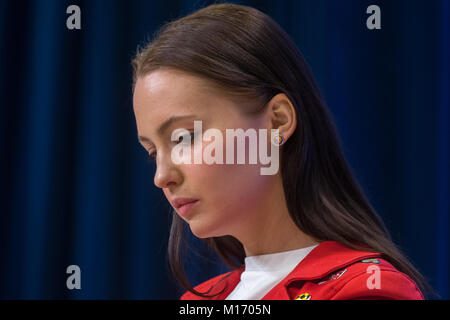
x=272, y=229
x=280, y=240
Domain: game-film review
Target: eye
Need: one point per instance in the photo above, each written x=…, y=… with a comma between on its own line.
x=185, y=137
x=151, y=157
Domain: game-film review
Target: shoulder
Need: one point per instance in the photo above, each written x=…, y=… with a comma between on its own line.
x=335, y=271
x=206, y=287
x=375, y=279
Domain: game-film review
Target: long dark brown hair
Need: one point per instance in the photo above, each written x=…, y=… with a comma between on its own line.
x=245, y=52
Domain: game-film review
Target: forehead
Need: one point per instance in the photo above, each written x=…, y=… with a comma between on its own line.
x=165, y=93
x=168, y=87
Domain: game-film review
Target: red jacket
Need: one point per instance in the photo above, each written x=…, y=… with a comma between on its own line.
x=331, y=271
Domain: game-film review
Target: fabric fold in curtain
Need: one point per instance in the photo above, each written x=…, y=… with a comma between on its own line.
x=76, y=187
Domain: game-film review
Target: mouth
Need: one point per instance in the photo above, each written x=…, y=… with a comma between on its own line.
x=186, y=208
x=184, y=205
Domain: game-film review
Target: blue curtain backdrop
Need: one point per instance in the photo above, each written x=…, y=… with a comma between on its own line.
x=76, y=188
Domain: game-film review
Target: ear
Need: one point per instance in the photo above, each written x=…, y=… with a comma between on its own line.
x=281, y=115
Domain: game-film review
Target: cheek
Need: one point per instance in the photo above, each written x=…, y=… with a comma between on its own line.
x=231, y=194
x=230, y=188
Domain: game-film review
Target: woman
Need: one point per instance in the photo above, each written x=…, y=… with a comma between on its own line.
x=305, y=232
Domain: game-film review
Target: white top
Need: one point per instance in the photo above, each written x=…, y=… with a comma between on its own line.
x=264, y=272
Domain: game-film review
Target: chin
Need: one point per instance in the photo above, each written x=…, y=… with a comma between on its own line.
x=204, y=231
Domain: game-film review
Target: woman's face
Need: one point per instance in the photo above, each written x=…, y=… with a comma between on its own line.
x=230, y=196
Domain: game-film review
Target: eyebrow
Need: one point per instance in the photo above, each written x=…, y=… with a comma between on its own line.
x=165, y=125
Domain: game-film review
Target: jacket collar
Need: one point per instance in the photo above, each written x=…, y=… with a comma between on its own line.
x=327, y=257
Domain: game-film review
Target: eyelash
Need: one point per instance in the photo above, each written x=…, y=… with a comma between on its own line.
x=152, y=156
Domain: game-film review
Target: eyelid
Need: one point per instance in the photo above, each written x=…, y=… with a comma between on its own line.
x=152, y=153
x=179, y=131
x=183, y=132
x=151, y=156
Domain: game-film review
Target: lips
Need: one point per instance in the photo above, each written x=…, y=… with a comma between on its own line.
x=179, y=202
x=184, y=205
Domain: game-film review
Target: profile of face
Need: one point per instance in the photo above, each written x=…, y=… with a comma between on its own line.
x=230, y=197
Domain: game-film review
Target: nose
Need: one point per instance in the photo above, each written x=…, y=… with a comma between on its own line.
x=166, y=172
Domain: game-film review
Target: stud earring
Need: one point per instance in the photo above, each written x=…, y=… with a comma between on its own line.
x=278, y=140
